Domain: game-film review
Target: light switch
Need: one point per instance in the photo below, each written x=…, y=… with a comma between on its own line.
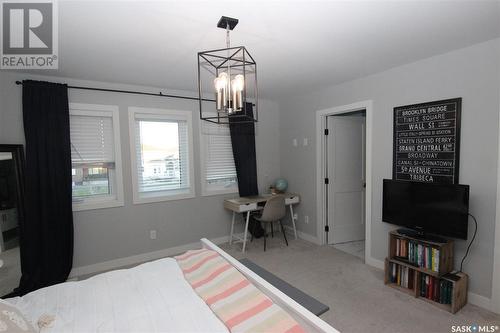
x=305, y=142
x=295, y=144
x=152, y=234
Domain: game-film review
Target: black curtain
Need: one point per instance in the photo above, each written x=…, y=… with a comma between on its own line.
x=47, y=235
x=243, y=142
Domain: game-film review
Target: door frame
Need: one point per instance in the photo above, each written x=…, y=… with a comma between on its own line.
x=321, y=169
x=331, y=166
x=495, y=287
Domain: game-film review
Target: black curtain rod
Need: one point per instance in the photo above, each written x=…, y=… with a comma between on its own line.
x=135, y=92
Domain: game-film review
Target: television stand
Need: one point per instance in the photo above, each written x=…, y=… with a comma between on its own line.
x=421, y=235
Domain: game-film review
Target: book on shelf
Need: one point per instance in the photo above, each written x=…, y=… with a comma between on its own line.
x=402, y=276
x=435, y=289
x=423, y=256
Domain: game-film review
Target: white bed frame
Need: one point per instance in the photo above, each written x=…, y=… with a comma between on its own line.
x=309, y=321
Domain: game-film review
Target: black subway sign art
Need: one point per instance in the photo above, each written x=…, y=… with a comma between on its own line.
x=427, y=142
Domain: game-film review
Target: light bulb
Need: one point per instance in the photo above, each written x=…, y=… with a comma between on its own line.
x=237, y=85
x=220, y=84
x=218, y=93
x=239, y=82
x=223, y=78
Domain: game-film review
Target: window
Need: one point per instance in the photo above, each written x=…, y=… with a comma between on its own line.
x=95, y=156
x=218, y=170
x=161, y=151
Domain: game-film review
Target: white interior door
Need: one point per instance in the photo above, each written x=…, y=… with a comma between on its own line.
x=346, y=173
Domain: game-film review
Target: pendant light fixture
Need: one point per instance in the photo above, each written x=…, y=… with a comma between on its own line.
x=229, y=74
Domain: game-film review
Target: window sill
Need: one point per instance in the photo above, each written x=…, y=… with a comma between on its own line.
x=78, y=207
x=138, y=200
x=208, y=193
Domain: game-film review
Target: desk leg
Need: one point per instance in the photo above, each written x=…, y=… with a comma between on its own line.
x=293, y=221
x=232, y=229
x=245, y=234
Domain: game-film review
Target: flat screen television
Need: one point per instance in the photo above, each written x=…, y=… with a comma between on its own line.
x=439, y=209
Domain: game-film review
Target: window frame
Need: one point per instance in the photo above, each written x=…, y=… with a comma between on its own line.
x=96, y=110
x=206, y=189
x=166, y=115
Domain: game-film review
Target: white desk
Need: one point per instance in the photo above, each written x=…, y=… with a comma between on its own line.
x=242, y=205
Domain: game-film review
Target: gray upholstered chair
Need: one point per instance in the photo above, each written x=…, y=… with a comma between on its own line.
x=274, y=211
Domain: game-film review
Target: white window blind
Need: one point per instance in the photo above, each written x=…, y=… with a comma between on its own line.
x=95, y=156
x=220, y=161
x=92, y=142
x=162, y=154
x=219, y=168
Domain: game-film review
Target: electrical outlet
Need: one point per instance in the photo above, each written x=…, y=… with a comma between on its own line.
x=305, y=142
x=295, y=143
x=306, y=219
x=295, y=216
x=152, y=234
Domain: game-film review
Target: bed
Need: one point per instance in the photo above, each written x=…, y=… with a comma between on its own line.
x=152, y=297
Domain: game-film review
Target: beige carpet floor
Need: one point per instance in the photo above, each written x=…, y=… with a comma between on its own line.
x=358, y=299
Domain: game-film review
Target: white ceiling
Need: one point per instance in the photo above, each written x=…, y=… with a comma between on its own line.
x=297, y=45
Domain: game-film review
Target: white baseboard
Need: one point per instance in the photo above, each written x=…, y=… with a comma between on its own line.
x=137, y=259
x=301, y=235
x=375, y=263
x=481, y=301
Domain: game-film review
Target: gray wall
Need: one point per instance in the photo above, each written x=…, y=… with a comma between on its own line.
x=107, y=234
x=473, y=74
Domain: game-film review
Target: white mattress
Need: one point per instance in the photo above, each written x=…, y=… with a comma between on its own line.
x=153, y=297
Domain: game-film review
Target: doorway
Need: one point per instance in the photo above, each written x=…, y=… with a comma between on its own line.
x=349, y=185
x=345, y=168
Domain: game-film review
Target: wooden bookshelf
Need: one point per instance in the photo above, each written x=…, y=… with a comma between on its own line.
x=459, y=297
x=445, y=253
x=444, y=263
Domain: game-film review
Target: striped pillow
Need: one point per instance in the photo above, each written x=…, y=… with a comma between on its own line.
x=234, y=300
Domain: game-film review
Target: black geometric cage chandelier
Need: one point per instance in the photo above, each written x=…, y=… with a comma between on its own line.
x=231, y=74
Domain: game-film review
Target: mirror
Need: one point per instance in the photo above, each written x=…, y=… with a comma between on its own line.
x=11, y=215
